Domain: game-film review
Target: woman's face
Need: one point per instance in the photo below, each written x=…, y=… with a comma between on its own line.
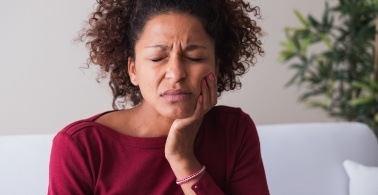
x=173, y=54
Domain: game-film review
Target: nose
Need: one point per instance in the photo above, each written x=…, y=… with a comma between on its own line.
x=175, y=69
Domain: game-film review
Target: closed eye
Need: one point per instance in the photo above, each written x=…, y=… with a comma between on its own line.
x=195, y=59
x=157, y=59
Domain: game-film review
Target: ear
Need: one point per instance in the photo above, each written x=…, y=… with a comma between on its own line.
x=132, y=71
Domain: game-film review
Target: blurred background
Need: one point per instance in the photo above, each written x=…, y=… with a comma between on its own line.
x=43, y=86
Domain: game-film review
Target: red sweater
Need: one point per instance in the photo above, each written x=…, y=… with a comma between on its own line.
x=89, y=158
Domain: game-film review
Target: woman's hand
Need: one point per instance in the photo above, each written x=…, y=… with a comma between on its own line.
x=183, y=131
x=180, y=141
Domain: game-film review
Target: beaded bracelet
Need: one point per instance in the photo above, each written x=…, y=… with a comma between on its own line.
x=192, y=176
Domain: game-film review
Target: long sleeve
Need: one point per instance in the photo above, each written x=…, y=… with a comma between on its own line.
x=248, y=176
x=69, y=173
x=229, y=147
x=206, y=185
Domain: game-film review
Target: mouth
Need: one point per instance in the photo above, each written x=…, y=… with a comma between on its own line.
x=175, y=95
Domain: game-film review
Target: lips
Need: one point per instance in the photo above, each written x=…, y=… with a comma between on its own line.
x=175, y=95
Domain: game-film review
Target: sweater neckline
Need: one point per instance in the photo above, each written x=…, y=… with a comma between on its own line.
x=131, y=141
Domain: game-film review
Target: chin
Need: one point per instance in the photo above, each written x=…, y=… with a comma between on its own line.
x=177, y=113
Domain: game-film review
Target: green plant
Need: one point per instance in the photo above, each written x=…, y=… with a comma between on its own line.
x=333, y=58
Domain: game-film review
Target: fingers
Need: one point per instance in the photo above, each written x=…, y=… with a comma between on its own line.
x=209, y=91
x=208, y=98
x=213, y=88
x=205, y=91
x=198, y=110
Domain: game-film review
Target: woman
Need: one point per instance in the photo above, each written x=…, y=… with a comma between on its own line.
x=171, y=59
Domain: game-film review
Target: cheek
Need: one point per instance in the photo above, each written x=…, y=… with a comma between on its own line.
x=204, y=71
x=147, y=74
x=200, y=74
x=147, y=81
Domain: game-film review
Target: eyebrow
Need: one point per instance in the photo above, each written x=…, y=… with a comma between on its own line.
x=163, y=47
x=194, y=47
x=188, y=48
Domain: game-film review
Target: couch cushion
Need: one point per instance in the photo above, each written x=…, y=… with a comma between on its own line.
x=362, y=179
x=24, y=163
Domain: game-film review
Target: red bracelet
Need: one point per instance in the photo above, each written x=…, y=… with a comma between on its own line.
x=192, y=176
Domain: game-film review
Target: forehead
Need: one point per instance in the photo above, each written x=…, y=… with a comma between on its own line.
x=174, y=27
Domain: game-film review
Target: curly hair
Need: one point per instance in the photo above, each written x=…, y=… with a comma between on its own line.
x=115, y=25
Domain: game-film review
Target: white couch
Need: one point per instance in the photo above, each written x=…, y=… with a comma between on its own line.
x=300, y=159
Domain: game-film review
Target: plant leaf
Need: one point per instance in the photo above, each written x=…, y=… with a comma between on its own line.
x=301, y=18
x=363, y=86
x=361, y=101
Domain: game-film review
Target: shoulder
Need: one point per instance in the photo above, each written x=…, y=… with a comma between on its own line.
x=234, y=127
x=227, y=114
x=85, y=131
x=229, y=122
x=82, y=125
x=230, y=131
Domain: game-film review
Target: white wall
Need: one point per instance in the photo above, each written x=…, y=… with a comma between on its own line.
x=42, y=87
x=264, y=96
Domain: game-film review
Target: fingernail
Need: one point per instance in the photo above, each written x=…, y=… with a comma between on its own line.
x=211, y=77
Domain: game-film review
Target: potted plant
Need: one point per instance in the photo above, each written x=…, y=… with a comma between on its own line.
x=336, y=60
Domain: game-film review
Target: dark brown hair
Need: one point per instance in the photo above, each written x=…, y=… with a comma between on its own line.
x=115, y=25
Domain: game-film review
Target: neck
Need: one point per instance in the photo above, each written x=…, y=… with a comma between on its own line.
x=150, y=123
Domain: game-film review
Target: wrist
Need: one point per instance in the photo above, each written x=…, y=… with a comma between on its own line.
x=180, y=157
x=191, y=177
x=183, y=167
